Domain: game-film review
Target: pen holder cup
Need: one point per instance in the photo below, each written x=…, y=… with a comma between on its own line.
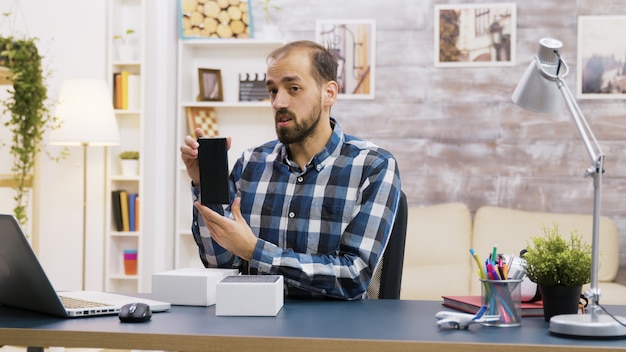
x=503, y=298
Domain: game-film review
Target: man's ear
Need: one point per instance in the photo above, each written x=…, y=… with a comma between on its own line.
x=330, y=92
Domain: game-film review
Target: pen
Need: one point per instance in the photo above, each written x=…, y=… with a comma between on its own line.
x=494, y=255
x=481, y=272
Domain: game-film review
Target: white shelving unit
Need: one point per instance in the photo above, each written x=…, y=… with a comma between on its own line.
x=124, y=15
x=248, y=123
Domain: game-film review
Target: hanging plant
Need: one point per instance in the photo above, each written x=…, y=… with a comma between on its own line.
x=29, y=115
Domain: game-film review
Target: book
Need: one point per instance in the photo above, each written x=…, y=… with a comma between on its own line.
x=137, y=213
x=471, y=304
x=131, y=211
x=117, y=79
x=134, y=92
x=117, y=210
x=124, y=207
x=125, y=75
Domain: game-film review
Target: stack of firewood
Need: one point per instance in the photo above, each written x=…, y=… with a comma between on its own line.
x=215, y=18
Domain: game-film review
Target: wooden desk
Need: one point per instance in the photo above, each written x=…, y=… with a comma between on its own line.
x=369, y=325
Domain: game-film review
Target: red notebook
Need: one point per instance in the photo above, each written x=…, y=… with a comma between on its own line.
x=471, y=304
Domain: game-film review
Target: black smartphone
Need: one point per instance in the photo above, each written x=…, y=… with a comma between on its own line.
x=213, y=163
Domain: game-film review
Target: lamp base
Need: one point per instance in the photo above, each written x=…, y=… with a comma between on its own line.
x=591, y=325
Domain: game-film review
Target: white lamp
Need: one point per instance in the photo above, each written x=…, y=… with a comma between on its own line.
x=540, y=90
x=86, y=115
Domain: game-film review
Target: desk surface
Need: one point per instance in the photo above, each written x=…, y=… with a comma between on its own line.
x=368, y=325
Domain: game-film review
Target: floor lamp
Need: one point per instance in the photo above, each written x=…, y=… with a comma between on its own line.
x=85, y=112
x=542, y=89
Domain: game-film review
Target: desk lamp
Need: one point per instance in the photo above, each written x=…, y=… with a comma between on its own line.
x=539, y=91
x=85, y=111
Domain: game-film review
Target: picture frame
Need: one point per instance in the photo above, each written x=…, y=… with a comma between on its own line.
x=354, y=44
x=600, y=58
x=480, y=35
x=203, y=117
x=210, y=82
x=211, y=20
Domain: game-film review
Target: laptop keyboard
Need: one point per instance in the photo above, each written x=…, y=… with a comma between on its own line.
x=79, y=303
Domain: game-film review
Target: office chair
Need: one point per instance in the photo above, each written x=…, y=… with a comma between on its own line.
x=387, y=278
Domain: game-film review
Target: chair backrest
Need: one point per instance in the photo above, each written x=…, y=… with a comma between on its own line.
x=387, y=279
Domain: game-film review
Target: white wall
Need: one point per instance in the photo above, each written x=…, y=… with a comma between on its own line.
x=73, y=40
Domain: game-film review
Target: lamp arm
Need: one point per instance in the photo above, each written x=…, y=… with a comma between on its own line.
x=595, y=171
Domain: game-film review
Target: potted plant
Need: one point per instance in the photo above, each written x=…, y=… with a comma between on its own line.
x=30, y=117
x=269, y=30
x=130, y=162
x=125, y=51
x=559, y=267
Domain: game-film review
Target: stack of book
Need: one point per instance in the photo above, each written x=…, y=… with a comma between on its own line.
x=125, y=210
x=471, y=304
x=126, y=90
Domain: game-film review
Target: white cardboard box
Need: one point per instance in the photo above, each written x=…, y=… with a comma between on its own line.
x=250, y=295
x=188, y=286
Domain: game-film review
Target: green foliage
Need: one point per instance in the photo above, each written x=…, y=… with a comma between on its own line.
x=551, y=260
x=129, y=155
x=123, y=37
x=29, y=115
x=265, y=4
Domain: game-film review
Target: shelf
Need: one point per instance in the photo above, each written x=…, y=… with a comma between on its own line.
x=230, y=43
x=224, y=104
x=125, y=14
x=248, y=123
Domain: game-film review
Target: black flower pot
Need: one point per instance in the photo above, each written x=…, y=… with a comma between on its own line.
x=560, y=300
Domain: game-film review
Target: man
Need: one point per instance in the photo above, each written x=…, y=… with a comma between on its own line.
x=316, y=206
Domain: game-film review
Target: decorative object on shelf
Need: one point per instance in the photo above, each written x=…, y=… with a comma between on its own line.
x=214, y=19
x=30, y=117
x=86, y=114
x=203, y=118
x=252, y=87
x=125, y=49
x=269, y=31
x=475, y=35
x=130, y=262
x=354, y=44
x=541, y=89
x=130, y=162
x=210, y=81
x=600, y=70
x=555, y=263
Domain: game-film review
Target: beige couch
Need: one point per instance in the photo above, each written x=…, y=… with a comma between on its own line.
x=437, y=260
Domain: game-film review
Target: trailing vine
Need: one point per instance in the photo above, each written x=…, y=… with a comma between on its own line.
x=29, y=115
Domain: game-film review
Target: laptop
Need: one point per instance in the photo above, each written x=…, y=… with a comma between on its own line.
x=25, y=285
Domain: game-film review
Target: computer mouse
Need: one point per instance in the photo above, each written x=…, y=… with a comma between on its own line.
x=135, y=312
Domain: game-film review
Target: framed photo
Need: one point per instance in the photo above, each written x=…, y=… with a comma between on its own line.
x=601, y=71
x=210, y=81
x=354, y=44
x=475, y=35
x=204, y=118
x=214, y=19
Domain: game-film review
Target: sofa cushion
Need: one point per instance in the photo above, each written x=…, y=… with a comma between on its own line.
x=436, y=254
x=511, y=230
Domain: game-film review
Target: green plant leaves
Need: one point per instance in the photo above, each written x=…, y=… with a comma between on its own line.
x=551, y=260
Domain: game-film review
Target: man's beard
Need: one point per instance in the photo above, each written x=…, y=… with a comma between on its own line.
x=300, y=129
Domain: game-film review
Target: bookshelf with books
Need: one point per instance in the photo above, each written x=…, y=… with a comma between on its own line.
x=241, y=115
x=123, y=211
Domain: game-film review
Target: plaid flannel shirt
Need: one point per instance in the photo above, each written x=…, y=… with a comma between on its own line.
x=323, y=228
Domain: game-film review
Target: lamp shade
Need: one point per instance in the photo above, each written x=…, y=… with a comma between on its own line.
x=537, y=90
x=85, y=112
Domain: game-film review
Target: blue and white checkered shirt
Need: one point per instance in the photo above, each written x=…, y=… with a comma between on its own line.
x=323, y=228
